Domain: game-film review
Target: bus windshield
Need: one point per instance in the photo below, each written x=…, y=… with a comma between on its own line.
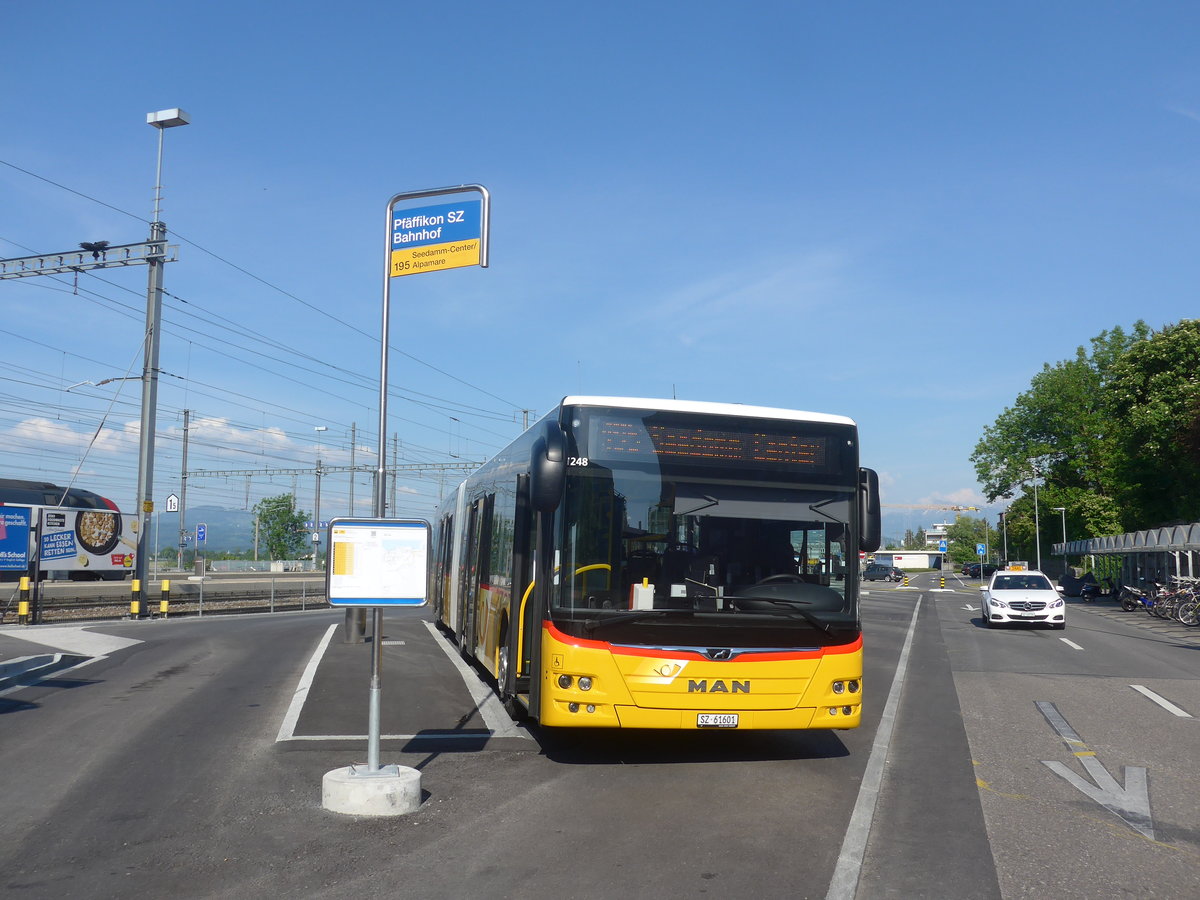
x=736, y=534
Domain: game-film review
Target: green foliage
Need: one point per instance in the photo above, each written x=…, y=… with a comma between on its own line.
x=1153, y=401
x=281, y=527
x=964, y=534
x=1112, y=435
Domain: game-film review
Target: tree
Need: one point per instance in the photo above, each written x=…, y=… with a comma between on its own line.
x=964, y=534
x=1153, y=402
x=281, y=526
x=1063, y=423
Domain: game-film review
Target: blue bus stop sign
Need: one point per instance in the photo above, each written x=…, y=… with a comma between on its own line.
x=981, y=549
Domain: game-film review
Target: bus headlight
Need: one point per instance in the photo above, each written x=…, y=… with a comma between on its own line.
x=854, y=687
x=585, y=683
x=564, y=681
x=839, y=687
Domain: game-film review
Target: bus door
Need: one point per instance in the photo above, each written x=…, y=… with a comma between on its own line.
x=476, y=561
x=465, y=583
x=443, y=564
x=523, y=628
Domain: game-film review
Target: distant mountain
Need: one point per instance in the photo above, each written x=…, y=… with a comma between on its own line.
x=228, y=530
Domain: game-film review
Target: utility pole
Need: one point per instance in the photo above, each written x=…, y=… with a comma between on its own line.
x=154, y=253
x=395, y=462
x=353, y=440
x=183, y=489
x=316, y=535
x=162, y=120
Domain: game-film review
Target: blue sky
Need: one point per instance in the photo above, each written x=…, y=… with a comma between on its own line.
x=897, y=212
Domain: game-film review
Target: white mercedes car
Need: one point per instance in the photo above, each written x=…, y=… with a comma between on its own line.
x=1025, y=596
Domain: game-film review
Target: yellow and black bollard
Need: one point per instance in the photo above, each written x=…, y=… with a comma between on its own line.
x=135, y=604
x=905, y=582
x=164, y=600
x=23, y=603
x=943, y=582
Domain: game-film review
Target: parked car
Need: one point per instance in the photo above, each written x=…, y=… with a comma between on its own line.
x=879, y=572
x=973, y=570
x=1025, y=597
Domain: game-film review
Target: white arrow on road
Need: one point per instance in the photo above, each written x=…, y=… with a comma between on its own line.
x=1130, y=803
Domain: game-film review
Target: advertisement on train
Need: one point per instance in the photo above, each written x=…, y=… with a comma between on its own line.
x=85, y=543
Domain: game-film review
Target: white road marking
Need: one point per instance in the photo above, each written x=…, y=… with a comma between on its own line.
x=494, y=714
x=1070, y=643
x=71, y=639
x=1130, y=803
x=845, y=876
x=1164, y=703
x=287, y=729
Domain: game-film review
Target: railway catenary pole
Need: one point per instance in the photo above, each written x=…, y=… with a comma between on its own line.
x=183, y=476
x=162, y=120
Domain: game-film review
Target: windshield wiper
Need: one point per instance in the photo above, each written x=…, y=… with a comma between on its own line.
x=635, y=615
x=789, y=608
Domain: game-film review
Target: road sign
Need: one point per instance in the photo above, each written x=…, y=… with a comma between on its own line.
x=442, y=235
x=201, y=532
x=981, y=550
x=941, y=546
x=172, y=503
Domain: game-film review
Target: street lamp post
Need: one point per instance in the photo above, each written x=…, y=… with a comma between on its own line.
x=1004, y=528
x=1037, y=525
x=1063, y=510
x=163, y=119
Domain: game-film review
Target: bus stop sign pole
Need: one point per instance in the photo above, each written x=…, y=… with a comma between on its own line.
x=443, y=228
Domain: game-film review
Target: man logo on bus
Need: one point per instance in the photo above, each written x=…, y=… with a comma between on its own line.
x=703, y=686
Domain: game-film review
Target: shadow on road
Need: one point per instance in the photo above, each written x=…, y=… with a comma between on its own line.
x=585, y=747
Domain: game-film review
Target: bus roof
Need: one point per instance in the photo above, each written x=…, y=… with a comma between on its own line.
x=707, y=408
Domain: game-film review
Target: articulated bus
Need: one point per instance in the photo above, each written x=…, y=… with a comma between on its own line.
x=631, y=563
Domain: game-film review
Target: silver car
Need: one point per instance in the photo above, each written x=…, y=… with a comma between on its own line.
x=1024, y=596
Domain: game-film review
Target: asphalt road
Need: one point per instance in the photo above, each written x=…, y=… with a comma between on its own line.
x=184, y=759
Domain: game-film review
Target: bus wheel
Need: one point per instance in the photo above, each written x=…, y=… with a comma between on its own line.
x=502, y=667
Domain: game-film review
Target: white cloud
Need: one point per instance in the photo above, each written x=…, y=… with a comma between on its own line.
x=1186, y=113
x=960, y=497
x=725, y=303
x=44, y=432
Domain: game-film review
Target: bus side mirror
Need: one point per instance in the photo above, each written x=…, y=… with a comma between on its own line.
x=869, y=517
x=547, y=469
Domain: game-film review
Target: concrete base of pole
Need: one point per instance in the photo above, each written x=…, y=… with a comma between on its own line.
x=357, y=791
x=354, y=630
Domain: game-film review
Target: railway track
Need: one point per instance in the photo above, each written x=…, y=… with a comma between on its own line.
x=223, y=600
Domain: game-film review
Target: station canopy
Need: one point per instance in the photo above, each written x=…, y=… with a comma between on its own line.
x=1169, y=538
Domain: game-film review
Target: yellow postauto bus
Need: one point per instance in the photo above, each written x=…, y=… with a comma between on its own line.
x=632, y=563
